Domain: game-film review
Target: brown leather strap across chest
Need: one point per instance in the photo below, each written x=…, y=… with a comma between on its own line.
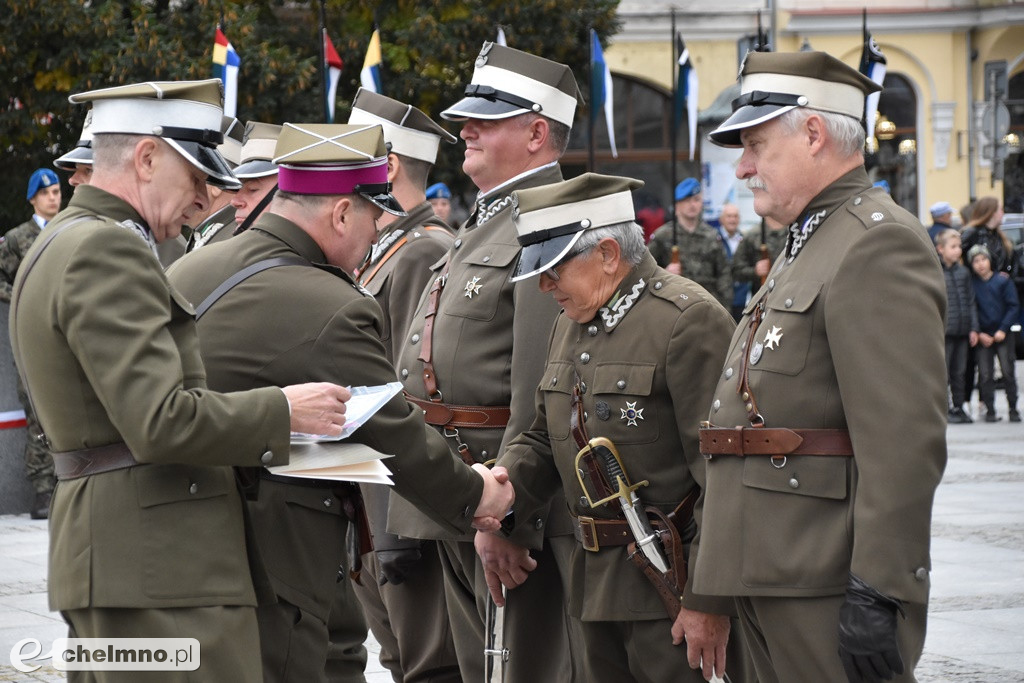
x=88, y=461
x=427, y=348
x=773, y=441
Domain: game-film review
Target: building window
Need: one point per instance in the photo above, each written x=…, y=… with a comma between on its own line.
x=895, y=157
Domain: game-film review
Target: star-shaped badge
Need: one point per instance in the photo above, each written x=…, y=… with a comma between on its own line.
x=472, y=287
x=773, y=338
x=631, y=414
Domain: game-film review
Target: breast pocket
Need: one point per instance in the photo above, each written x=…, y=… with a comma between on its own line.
x=477, y=286
x=556, y=388
x=623, y=403
x=783, y=339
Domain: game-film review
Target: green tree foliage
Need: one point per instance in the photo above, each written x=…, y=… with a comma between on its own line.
x=50, y=49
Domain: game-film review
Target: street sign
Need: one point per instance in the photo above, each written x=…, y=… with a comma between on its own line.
x=995, y=80
x=998, y=116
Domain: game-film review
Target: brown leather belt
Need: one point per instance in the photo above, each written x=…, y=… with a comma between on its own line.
x=89, y=461
x=447, y=415
x=744, y=441
x=595, y=533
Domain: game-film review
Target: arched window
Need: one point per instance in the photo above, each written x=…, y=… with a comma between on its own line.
x=895, y=157
x=643, y=114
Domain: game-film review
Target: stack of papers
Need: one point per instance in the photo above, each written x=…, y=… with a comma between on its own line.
x=324, y=456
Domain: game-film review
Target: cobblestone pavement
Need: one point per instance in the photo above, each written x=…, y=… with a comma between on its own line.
x=976, y=614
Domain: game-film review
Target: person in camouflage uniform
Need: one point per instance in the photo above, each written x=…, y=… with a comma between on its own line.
x=44, y=196
x=701, y=253
x=745, y=262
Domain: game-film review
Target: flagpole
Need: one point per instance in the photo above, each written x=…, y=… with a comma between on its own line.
x=323, y=61
x=593, y=103
x=672, y=128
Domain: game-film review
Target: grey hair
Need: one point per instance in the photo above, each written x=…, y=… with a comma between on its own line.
x=846, y=131
x=114, y=150
x=629, y=235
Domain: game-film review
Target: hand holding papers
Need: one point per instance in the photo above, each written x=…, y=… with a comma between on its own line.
x=321, y=456
x=317, y=407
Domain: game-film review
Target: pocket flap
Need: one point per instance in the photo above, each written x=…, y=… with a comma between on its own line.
x=807, y=475
x=794, y=297
x=161, y=484
x=558, y=377
x=183, y=303
x=635, y=379
x=494, y=255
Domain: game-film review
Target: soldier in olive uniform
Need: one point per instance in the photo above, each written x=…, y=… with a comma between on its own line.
x=637, y=351
x=304, y=317
x=472, y=358
x=749, y=263
x=702, y=256
x=398, y=585
x=44, y=196
x=827, y=436
x=219, y=220
x=147, y=532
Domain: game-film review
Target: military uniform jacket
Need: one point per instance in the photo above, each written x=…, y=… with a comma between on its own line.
x=13, y=246
x=216, y=228
x=487, y=344
x=109, y=352
x=315, y=324
x=852, y=338
x=701, y=254
x=749, y=253
x=400, y=268
x=646, y=366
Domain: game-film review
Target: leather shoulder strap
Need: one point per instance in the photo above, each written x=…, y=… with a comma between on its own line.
x=244, y=274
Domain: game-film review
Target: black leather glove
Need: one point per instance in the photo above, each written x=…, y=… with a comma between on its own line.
x=396, y=565
x=867, y=634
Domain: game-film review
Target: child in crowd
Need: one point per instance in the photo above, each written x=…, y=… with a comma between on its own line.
x=961, y=320
x=997, y=309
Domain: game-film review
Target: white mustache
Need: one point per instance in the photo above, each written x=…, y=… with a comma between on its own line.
x=755, y=183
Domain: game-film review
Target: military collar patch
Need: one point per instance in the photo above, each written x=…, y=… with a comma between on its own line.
x=611, y=315
x=141, y=231
x=799, y=234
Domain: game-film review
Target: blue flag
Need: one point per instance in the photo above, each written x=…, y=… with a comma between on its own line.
x=601, y=89
x=686, y=94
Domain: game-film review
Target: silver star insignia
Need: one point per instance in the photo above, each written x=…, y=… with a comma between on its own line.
x=773, y=338
x=631, y=414
x=472, y=287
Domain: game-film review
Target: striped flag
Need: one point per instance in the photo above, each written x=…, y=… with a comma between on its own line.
x=686, y=93
x=872, y=65
x=334, y=66
x=601, y=89
x=12, y=419
x=225, y=67
x=370, y=75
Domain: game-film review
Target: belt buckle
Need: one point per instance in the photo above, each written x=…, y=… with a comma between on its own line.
x=585, y=524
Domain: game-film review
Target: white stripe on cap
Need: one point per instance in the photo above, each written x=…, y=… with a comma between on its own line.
x=824, y=95
x=406, y=141
x=600, y=211
x=554, y=103
x=143, y=116
x=258, y=148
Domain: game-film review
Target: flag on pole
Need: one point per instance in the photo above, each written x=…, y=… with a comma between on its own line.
x=872, y=65
x=334, y=65
x=686, y=93
x=601, y=89
x=370, y=75
x=225, y=67
x=500, y=40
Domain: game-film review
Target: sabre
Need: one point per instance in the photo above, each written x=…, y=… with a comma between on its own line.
x=495, y=652
x=632, y=507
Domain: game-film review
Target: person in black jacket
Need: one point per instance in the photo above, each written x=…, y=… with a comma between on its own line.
x=961, y=320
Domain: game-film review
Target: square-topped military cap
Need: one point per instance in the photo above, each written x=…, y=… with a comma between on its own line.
x=550, y=219
x=185, y=114
x=508, y=82
x=234, y=133
x=335, y=159
x=258, y=150
x=81, y=153
x=407, y=130
x=776, y=82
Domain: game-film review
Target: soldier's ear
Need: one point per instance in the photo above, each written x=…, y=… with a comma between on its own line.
x=394, y=163
x=144, y=157
x=539, y=132
x=610, y=254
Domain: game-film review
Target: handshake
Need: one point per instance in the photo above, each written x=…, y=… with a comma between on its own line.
x=496, y=499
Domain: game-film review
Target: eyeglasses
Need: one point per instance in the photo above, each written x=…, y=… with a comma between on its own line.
x=552, y=273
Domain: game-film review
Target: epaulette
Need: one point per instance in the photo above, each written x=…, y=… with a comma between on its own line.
x=681, y=292
x=869, y=211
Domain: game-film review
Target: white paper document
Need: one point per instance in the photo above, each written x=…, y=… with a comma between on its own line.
x=347, y=461
x=361, y=407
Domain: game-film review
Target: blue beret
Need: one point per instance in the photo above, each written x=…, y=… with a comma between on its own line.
x=42, y=177
x=687, y=188
x=439, y=191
